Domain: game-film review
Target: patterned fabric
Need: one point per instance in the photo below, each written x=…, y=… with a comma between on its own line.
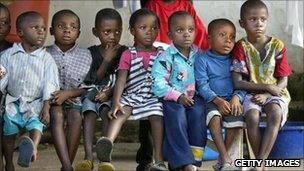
x=173, y=74
x=137, y=92
x=246, y=60
x=213, y=77
x=73, y=66
x=30, y=79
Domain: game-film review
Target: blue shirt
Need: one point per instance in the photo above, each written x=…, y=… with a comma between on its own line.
x=173, y=74
x=213, y=77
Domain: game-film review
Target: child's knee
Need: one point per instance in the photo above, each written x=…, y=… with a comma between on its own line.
x=252, y=117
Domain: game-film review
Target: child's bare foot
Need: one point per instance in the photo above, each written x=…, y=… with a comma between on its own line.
x=35, y=153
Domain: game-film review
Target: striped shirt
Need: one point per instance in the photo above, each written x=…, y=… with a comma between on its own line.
x=30, y=78
x=73, y=65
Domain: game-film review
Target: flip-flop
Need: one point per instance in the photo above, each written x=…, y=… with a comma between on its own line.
x=26, y=150
x=106, y=166
x=104, y=148
x=85, y=165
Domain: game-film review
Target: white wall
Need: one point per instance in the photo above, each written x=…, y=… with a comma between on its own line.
x=207, y=10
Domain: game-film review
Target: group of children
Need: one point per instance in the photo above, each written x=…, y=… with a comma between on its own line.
x=181, y=91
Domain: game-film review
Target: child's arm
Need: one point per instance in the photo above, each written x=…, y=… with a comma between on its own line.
x=109, y=54
x=62, y=95
x=45, y=113
x=118, y=90
x=236, y=106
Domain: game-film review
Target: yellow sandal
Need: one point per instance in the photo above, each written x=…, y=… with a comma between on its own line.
x=85, y=165
x=106, y=166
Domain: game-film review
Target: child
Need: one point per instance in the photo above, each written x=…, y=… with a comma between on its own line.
x=164, y=9
x=132, y=92
x=261, y=60
x=214, y=81
x=173, y=73
x=73, y=63
x=5, y=26
x=108, y=27
x=31, y=77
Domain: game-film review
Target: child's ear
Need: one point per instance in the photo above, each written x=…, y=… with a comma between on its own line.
x=169, y=34
x=132, y=31
x=94, y=31
x=51, y=31
x=78, y=34
x=241, y=22
x=19, y=32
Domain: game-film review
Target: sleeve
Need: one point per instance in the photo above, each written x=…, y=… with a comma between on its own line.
x=239, y=60
x=241, y=94
x=202, y=79
x=4, y=66
x=91, y=77
x=161, y=71
x=125, y=60
x=51, y=78
x=282, y=68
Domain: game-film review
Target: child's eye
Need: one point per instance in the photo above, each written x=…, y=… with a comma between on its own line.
x=263, y=19
x=74, y=28
x=191, y=30
x=252, y=19
x=59, y=26
x=142, y=27
x=222, y=34
x=106, y=32
x=178, y=30
x=4, y=23
x=117, y=32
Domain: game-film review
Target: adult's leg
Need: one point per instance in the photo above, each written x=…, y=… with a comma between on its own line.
x=73, y=131
x=8, y=151
x=274, y=118
x=157, y=130
x=60, y=143
x=252, y=121
x=144, y=154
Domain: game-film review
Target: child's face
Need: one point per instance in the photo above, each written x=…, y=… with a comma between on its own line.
x=182, y=31
x=222, y=39
x=33, y=32
x=66, y=30
x=4, y=23
x=108, y=31
x=255, y=22
x=145, y=30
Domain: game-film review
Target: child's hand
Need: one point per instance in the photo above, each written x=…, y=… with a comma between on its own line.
x=110, y=52
x=112, y=113
x=45, y=113
x=236, y=107
x=223, y=105
x=2, y=72
x=102, y=96
x=185, y=101
x=260, y=99
x=60, y=96
x=70, y=100
x=274, y=90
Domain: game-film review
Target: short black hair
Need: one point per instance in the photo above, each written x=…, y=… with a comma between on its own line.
x=63, y=12
x=106, y=14
x=139, y=13
x=217, y=23
x=25, y=16
x=251, y=4
x=175, y=15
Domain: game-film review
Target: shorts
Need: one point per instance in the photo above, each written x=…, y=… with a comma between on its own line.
x=13, y=124
x=226, y=121
x=248, y=105
x=88, y=105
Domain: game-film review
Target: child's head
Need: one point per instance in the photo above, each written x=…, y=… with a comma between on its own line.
x=254, y=15
x=144, y=26
x=5, y=22
x=108, y=26
x=181, y=29
x=31, y=29
x=65, y=27
x=221, y=36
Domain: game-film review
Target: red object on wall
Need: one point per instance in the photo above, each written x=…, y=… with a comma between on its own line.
x=17, y=7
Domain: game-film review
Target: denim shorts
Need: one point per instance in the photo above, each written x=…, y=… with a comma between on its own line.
x=88, y=105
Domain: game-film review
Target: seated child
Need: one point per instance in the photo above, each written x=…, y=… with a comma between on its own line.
x=173, y=73
x=73, y=63
x=31, y=77
x=214, y=81
x=5, y=26
x=102, y=75
x=262, y=60
x=133, y=96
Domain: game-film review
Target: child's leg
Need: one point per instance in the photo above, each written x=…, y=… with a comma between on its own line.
x=274, y=118
x=114, y=125
x=1, y=158
x=57, y=124
x=73, y=131
x=215, y=128
x=252, y=121
x=88, y=133
x=8, y=150
x=144, y=154
x=35, y=135
x=230, y=135
x=157, y=130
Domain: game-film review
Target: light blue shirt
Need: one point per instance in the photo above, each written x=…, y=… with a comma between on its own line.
x=30, y=78
x=173, y=74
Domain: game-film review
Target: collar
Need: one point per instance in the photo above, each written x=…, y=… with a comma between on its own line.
x=173, y=50
x=213, y=55
x=17, y=47
x=57, y=49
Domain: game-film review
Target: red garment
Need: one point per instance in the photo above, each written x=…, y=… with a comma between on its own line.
x=163, y=11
